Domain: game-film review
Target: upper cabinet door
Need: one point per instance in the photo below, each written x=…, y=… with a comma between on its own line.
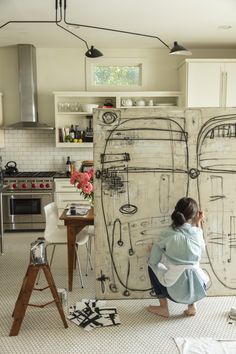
x=208, y=83
x=230, y=84
x=204, y=84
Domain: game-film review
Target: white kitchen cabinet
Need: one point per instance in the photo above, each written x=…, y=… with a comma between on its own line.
x=66, y=193
x=2, y=141
x=69, y=107
x=208, y=82
x=230, y=84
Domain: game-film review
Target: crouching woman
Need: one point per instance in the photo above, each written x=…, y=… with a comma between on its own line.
x=173, y=264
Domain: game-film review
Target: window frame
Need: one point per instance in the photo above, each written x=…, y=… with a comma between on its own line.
x=91, y=63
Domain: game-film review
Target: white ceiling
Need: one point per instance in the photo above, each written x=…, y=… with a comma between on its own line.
x=193, y=23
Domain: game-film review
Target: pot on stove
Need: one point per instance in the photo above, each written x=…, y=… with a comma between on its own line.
x=10, y=168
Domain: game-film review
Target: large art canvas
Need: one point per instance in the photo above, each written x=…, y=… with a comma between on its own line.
x=145, y=160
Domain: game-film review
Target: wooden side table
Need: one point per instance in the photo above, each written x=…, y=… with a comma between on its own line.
x=74, y=225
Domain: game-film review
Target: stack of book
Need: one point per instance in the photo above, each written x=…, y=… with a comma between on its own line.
x=77, y=209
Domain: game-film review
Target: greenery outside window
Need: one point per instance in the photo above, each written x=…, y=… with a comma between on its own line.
x=115, y=74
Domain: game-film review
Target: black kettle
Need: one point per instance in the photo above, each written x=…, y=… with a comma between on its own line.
x=10, y=168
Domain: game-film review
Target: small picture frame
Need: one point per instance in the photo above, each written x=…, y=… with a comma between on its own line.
x=86, y=165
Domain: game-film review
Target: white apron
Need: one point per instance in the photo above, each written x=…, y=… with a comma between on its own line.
x=168, y=273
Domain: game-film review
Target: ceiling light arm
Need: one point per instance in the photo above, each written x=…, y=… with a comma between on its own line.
x=38, y=21
x=112, y=29
x=119, y=31
x=56, y=8
x=73, y=34
x=65, y=29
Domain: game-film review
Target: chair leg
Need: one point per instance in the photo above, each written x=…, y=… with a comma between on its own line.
x=88, y=262
x=90, y=251
x=79, y=267
x=53, y=250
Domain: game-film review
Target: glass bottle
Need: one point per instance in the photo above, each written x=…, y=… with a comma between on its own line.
x=82, y=136
x=77, y=132
x=68, y=167
x=72, y=132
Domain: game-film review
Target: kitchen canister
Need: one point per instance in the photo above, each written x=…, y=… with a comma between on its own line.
x=38, y=253
x=232, y=313
x=63, y=296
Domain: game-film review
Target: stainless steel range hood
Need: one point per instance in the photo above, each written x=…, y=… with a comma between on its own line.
x=28, y=90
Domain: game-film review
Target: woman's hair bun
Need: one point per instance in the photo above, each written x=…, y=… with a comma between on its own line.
x=178, y=218
x=185, y=210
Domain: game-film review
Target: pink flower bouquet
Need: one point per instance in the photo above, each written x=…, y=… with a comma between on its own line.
x=84, y=182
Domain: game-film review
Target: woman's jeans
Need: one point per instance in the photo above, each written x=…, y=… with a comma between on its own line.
x=160, y=290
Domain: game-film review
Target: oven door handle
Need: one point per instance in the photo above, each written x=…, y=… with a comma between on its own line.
x=23, y=194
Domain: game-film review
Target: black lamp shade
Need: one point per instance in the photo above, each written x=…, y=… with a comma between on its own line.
x=93, y=53
x=179, y=50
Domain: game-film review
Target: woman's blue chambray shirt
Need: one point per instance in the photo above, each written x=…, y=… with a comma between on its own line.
x=181, y=246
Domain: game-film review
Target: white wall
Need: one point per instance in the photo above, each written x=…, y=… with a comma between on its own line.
x=34, y=150
x=9, y=83
x=63, y=69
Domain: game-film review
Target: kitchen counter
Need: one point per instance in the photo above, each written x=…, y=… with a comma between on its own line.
x=60, y=175
x=2, y=189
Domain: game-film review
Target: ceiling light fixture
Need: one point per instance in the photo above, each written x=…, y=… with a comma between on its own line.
x=175, y=50
x=92, y=52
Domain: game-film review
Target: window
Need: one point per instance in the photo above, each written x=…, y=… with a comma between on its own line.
x=114, y=74
x=104, y=75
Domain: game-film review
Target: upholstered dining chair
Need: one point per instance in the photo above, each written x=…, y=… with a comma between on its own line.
x=56, y=235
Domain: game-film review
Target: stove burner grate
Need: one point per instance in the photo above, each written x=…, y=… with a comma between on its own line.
x=31, y=174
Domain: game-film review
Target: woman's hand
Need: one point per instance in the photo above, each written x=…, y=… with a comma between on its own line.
x=149, y=247
x=199, y=218
x=201, y=215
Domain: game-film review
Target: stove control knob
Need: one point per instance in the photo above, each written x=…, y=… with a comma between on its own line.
x=14, y=185
x=47, y=185
x=33, y=185
x=41, y=185
x=24, y=185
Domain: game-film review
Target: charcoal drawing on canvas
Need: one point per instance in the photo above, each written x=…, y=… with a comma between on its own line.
x=145, y=160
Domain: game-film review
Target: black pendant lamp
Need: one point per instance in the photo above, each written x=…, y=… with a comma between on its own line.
x=179, y=50
x=93, y=53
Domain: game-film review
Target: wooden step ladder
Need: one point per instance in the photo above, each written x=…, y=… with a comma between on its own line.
x=26, y=290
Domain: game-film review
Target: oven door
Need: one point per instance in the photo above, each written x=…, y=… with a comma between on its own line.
x=25, y=210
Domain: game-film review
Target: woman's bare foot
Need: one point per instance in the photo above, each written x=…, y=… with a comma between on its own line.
x=159, y=310
x=191, y=311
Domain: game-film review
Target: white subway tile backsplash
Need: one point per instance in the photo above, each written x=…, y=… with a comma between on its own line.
x=35, y=150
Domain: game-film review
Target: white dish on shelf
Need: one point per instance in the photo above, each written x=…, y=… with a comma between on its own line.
x=88, y=107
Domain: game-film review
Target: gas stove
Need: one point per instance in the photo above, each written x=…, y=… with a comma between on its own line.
x=29, y=181
x=24, y=200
